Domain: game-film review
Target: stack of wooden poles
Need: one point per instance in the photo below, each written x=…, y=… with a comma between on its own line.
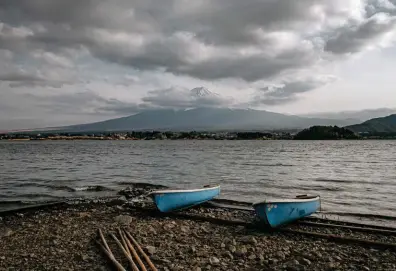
x=127, y=245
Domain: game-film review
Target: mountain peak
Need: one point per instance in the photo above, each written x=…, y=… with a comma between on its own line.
x=202, y=92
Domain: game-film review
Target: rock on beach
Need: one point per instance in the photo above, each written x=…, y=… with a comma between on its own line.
x=62, y=238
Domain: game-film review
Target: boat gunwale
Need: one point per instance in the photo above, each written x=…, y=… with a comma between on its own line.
x=295, y=200
x=184, y=190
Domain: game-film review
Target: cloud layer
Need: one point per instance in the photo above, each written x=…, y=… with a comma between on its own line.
x=271, y=48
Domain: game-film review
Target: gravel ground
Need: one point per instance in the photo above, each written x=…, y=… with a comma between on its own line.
x=61, y=238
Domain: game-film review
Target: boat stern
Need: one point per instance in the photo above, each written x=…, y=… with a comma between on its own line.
x=171, y=200
x=277, y=213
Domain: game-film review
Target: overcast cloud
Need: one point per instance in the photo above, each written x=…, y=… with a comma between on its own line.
x=98, y=57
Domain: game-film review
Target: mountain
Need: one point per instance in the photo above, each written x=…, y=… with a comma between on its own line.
x=201, y=92
x=377, y=125
x=204, y=119
x=354, y=116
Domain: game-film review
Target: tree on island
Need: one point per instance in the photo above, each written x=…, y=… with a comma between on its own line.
x=325, y=133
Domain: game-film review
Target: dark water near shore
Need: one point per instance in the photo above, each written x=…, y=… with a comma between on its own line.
x=354, y=178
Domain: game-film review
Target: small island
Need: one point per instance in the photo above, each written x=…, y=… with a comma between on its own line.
x=326, y=133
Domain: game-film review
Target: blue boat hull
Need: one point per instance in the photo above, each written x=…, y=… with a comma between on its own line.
x=171, y=200
x=277, y=213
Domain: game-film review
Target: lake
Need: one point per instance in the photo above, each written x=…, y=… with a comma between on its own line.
x=355, y=179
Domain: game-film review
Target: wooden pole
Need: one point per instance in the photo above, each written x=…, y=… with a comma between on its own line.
x=104, y=241
x=345, y=240
x=152, y=266
x=123, y=241
x=134, y=253
x=131, y=262
x=110, y=255
x=354, y=228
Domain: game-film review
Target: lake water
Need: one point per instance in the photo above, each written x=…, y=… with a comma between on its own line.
x=354, y=178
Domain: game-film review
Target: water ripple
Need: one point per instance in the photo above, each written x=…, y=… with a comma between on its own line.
x=351, y=176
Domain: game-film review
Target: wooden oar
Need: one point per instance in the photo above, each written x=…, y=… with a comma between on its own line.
x=141, y=251
x=126, y=253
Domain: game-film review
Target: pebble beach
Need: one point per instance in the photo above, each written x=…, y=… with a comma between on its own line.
x=62, y=237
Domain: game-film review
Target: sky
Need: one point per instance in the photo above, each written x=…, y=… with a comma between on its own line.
x=66, y=62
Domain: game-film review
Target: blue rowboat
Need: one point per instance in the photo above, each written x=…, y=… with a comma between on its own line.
x=171, y=200
x=275, y=213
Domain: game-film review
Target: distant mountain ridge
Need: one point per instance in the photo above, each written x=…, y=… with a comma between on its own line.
x=205, y=118
x=356, y=116
x=377, y=125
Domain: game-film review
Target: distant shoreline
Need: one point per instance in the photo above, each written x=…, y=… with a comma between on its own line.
x=199, y=139
x=312, y=133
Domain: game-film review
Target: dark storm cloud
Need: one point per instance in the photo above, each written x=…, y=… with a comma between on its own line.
x=289, y=90
x=356, y=37
x=378, y=6
x=252, y=40
x=183, y=98
x=114, y=106
x=204, y=39
x=51, y=71
x=92, y=103
x=26, y=79
x=234, y=21
x=220, y=20
x=87, y=102
x=295, y=87
x=251, y=68
x=20, y=76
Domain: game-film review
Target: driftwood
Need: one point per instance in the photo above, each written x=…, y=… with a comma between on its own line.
x=104, y=241
x=347, y=223
x=152, y=266
x=342, y=239
x=134, y=253
x=128, y=250
x=106, y=249
x=126, y=253
x=124, y=242
x=354, y=228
